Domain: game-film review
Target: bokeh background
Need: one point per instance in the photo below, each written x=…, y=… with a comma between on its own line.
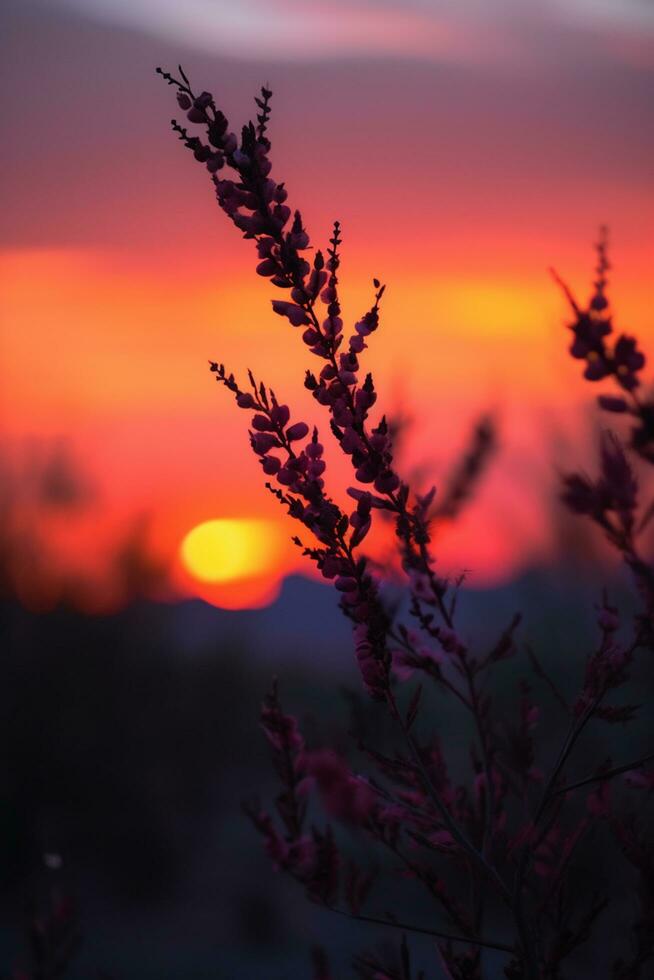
x=465, y=148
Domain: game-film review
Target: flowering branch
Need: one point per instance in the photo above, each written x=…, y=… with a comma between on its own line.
x=483, y=830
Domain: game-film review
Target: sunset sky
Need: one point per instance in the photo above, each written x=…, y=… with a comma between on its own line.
x=465, y=147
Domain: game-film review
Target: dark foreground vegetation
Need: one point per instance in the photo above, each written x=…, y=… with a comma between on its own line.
x=130, y=740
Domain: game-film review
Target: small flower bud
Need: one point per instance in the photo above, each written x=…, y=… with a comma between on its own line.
x=297, y=431
x=203, y=100
x=202, y=153
x=270, y=465
x=215, y=162
x=286, y=477
x=268, y=267
x=612, y=404
x=281, y=214
x=241, y=159
x=295, y=314
x=262, y=442
x=387, y=482
x=262, y=424
x=280, y=414
x=314, y=450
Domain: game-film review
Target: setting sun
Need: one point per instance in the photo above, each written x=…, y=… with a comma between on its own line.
x=230, y=549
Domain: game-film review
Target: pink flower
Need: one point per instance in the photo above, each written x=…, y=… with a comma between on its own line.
x=373, y=672
x=262, y=442
x=344, y=796
x=297, y=431
x=599, y=801
x=294, y=313
x=640, y=779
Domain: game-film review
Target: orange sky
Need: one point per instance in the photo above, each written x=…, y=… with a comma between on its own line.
x=460, y=171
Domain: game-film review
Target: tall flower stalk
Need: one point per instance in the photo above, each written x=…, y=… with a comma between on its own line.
x=493, y=848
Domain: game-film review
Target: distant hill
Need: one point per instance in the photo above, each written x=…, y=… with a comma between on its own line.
x=304, y=623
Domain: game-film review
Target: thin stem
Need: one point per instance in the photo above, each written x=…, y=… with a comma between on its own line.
x=457, y=833
x=425, y=557
x=437, y=678
x=424, y=879
x=409, y=927
x=523, y=925
x=607, y=774
x=544, y=676
x=575, y=731
x=485, y=753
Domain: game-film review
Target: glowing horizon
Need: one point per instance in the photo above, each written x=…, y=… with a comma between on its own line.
x=121, y=278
